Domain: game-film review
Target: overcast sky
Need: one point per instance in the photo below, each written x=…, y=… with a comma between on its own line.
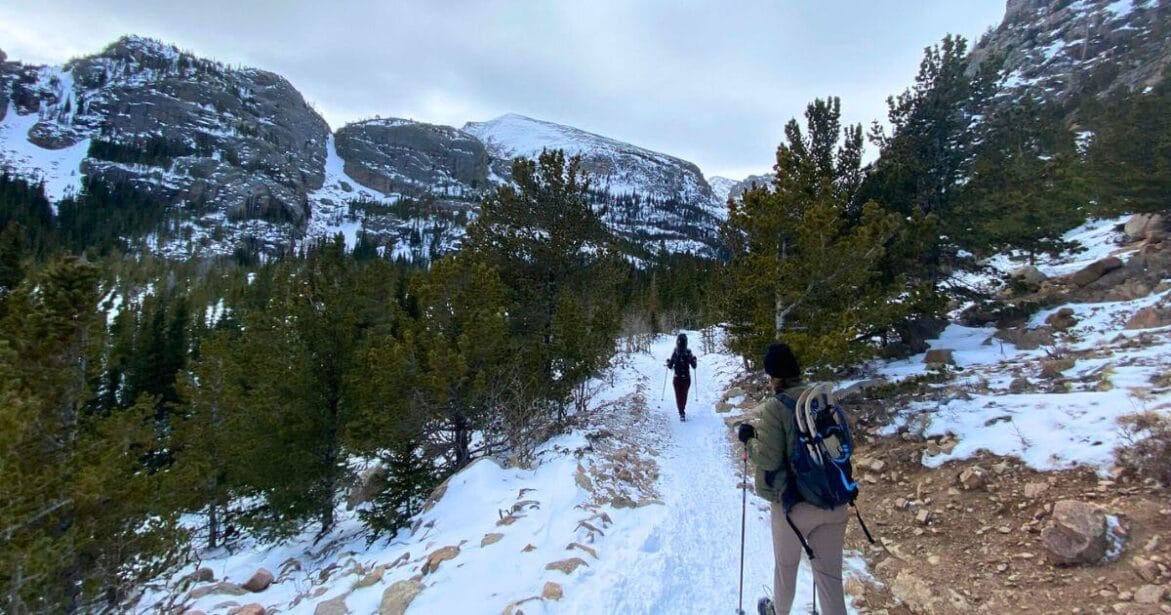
x=712, y=82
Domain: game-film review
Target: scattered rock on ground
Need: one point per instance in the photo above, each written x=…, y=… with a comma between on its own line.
x=973, y=478
x=1076, y=533
x=566, y=565
x=398, y=597
x=1053, y=368
x=939, y=356
x=369, y=484
x=333, y=606
x=222, y=587
x=1062, y=320
x=1140, y=226
x=1150, y=594
x=259, y=581
x=1029, y=274
x=1095, y=270
x=248, y=609
x=1034, y=490
x=552, y=591
x=1149, y=318
x=491, y=539
x=372, y=578
x=922, y=596
x=1027, y=339
x=1020, y=384
x=438, y=557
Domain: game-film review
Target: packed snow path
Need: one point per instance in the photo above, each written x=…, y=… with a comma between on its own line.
x=686, y=558
x=504, y=527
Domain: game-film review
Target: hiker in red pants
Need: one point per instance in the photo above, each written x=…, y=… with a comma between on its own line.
x=682, y=361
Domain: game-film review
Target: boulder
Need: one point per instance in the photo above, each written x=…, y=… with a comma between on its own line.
x=1095, y=270
x=939, y=356
x=490, y=539
x=259, y=581
x=333, y=606
x=398, y=597
x=203, y=575
x=567, y=565
x=1076, y=534
x=248, y=609
x=1062, y=320
x=723, y=407
x=1033, y=490
x=1150, y=594
x=369, y=484
x=913, y=334
x=1029, y=274
x=439, y=556
x=1027, y=339
x=973, y=478
x=1150, y=318
x=1019, y=384
x=371, y=578
x=222, y=587
x=1053, y=368
x=1140, y=226
x=552, y=591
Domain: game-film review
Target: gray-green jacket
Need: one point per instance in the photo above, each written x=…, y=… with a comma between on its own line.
x=769, y=450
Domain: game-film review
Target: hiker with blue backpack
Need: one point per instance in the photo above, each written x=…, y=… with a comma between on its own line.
x=801, y=447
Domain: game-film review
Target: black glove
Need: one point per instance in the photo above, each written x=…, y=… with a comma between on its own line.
x=745, y=432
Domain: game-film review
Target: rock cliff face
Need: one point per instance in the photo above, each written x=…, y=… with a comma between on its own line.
x=243, y=143
x=401, y=156
x=1061, y=47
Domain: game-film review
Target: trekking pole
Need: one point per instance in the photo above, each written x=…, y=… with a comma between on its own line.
x=663, y=395
x=696, y=383
x=743, y=525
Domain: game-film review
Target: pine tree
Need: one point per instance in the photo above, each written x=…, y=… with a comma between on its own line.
x=934, y=126
x=800, y=269
x=1025, y=188
x=550, y=247
x=80, y=518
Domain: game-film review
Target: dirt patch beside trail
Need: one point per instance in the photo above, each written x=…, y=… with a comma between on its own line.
x=946, y=549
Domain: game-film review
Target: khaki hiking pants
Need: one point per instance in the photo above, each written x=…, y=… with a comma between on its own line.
x=825, y=531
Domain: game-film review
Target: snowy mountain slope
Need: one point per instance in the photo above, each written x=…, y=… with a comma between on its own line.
x=59, y=170
x=652, y=199
x=243, y=159
x=619, y=168
x=721, y=187
x=1055, y=49
x=650, y=505
x=1015, y=406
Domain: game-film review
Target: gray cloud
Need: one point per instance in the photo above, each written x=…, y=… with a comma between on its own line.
x=711, y=82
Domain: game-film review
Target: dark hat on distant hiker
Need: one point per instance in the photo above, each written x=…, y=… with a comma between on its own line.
x=780, y=362
x=681, y=341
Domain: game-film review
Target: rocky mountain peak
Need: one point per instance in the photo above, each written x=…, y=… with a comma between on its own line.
x=1060, y=48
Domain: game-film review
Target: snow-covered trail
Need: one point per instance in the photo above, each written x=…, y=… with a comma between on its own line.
x=686, y=558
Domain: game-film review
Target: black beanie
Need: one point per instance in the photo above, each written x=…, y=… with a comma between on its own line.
x=681, y=341
x=780, y=362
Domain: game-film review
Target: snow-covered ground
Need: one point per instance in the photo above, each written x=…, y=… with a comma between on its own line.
x=58, y=169
x=1047, y=429
x=677, y=552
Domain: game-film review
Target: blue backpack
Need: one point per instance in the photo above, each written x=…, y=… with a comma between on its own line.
x=820, y=472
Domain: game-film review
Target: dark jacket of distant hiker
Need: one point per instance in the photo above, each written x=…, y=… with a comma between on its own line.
x=770, y=440
x=682, y=361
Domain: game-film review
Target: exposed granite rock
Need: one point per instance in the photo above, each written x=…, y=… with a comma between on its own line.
x=401, y=156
